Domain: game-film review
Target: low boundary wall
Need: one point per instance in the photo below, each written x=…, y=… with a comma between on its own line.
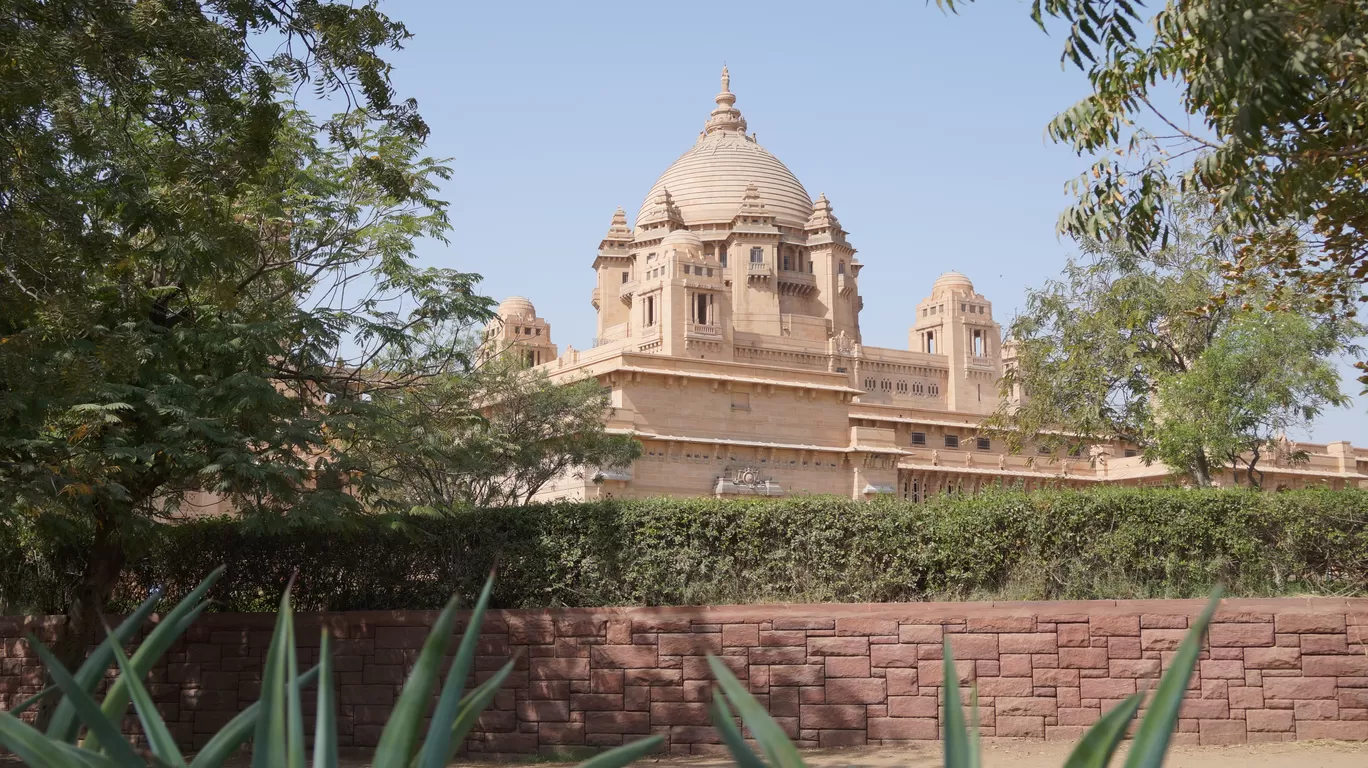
x=832, y=675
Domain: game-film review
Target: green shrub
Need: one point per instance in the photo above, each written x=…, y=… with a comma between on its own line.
x=1102, y=543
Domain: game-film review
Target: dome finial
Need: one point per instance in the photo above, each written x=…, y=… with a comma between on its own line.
x=726, y=117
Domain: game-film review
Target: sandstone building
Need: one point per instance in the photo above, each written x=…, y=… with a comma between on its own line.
x=729, y=335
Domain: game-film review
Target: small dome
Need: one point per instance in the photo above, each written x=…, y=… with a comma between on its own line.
x=952, y=282
x=516, y=306
x=682, y=238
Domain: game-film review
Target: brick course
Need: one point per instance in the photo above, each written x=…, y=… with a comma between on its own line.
x=832, y=675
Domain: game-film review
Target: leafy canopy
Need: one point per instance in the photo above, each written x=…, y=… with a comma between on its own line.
x=1279, y=88
x=1113, y=351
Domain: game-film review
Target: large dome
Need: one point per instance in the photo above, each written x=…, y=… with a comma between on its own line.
x=708, y=182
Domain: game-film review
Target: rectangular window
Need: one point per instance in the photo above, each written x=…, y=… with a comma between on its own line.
x=709, y=271
x=786, y=262
x=979, y=346
x=983, y=444
x=722, y=255
x=625, y=276
x=740, y=401
x=952, y=441
x=688, y=269
x=1131, y=453
x=650, y=311
x=919, y=438
x=701, y=308
x=930, y=342
x=757, y=255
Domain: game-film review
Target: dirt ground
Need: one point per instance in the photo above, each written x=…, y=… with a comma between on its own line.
x=1016, y=753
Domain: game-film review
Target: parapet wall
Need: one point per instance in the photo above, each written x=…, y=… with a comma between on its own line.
x=832, y=675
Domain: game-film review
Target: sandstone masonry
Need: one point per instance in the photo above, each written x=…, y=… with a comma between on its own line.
x=832, y=675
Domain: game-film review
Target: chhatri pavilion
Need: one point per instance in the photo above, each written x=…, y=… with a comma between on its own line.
x=729, y=337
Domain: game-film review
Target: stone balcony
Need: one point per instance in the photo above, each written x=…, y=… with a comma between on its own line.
x=795, y=283
x=759, y=270
x=702, y=331
x=627, y=291
x=845, y=284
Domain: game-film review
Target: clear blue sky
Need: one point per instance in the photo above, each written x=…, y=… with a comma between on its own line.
x=925, y=130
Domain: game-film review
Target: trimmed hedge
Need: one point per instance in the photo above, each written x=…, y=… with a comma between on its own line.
x=1103, y=543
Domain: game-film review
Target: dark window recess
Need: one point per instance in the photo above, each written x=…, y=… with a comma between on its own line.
x=1076, y=451
x=952, y=441
x=1131, y=453
x=983, y=444
x=919, y=438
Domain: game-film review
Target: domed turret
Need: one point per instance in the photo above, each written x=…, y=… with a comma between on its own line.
x=952, y=283
x=516, y=306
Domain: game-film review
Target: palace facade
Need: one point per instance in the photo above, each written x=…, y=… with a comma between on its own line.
x=729, y=336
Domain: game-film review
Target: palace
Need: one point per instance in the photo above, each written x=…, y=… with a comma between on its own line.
x=729, y=336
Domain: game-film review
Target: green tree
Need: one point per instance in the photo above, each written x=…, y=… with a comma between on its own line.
x=1113, y=351
x=1278, y=88
x=494, y=435
x=189, y=264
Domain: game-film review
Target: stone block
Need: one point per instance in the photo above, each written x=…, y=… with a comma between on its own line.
x=806, y=674
x=893, y=655
x=1106, y=626
x=856, y=691
x=904, y=728
x=1240, y=635
x=1033, y=705
x=1033, y=642
x=920, y=633
x=1221, y=732
x=1226, y=670
x=1328, y=729
x=838, y=646
x=843, y=716
x=1105, y=688
x=1335, y=666
x=1310, y=623
x=1073, y=636
x=1161, y=639
x=1269, y=720
x=1134, y=668
x=1054, y=678
x=780, y=654
x=1030, y=727
x=1010, y=624
x=1083, y=658
x=623, y=656
x=1272, y=658
x=740, y=635
x=776, y=638
x=678, y=713
x=1299, y=688
x=974, y=646
x=1079, y=715
x=537, y=711
x=559, y=669
x=866, y=627
x=692, y=644
x=1325, y=644
x=913, y=706
x=1316, y=709
x=901, y=681
x=1005, y=686
x=847, y=666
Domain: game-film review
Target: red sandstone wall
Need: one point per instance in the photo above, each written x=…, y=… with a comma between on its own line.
x=833, y=675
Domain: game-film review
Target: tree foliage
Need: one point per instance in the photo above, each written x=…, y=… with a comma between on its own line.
x=493, y=435
x=1279, y=88
x=1113, y=351
x=189, y=263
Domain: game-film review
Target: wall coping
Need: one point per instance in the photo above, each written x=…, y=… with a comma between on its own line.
x=1231, y=609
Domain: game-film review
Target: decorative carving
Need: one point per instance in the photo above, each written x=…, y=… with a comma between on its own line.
x=843, y=345
x=746, y=481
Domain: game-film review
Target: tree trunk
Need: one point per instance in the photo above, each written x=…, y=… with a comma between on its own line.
x=85, y=614
x=1201, y=471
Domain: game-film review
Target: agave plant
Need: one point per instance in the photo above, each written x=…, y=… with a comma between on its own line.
x=275, y=723
x=1094, y=750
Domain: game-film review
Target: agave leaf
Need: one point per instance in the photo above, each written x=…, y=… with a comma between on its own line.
x=325, y=729
x=34, y=699
x=400, y=737
x=159, y=738
x=268, y=743
x=1152, y=739
x=294, y=705
x=958, y=750
x=436, y=745
x=63, y=726
x=236, y=733
x=86, y=708
x=625, y=754
x=84, y=758
x=773, y=741
x=153, y=646
x=471, y=707
x=31, y=746
x=1098, y=745
x=731, y=735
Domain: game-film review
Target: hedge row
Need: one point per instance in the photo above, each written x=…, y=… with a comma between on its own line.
x=1105, y=543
